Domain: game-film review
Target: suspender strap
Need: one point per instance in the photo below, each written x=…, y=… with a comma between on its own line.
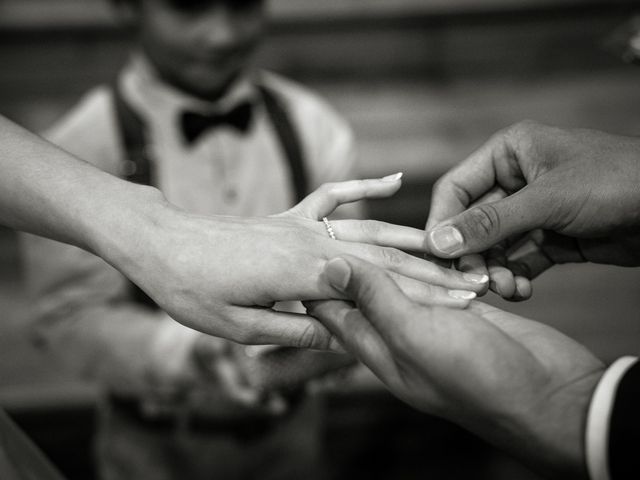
x=289, y=140
x=133, y=136
x=138, y=164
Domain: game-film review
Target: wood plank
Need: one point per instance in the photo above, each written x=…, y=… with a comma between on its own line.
x=34, y=14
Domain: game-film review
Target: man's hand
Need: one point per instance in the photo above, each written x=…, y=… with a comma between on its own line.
x=516, y=383
x=580, y=184
x=222, y=275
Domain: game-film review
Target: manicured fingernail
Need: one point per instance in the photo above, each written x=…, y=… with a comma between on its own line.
x=475, y=278
x=338, y=273
x=447, y=239
x=462, y=294
x=392, y=178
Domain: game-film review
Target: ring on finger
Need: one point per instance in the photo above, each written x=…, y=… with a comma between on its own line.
x=329, y=228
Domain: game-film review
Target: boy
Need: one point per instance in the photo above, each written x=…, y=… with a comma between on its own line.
x=189, y=115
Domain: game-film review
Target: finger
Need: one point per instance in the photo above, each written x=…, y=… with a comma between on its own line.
x=427, y=294
x=502, y=280
x=475, y=264
x=262, y=326
x=356, y=333
x=493, y=195
x=375, y=293
x=330, y=196
x=524, y=289
x=383, y=234
x=486, y=225
x=401, y=263
x=539, y=251
x=286, y=368
x=467, y=182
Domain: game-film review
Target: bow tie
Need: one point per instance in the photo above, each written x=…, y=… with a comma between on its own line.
x=195, y=124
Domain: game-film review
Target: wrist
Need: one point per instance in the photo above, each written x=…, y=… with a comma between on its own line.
x=545, y=431
x=556, y=427
x=123, y=233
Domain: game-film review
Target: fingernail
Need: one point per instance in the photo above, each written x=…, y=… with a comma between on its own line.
x=462, y=294
x=338, y=273
x=447, y=239
x=475, y=278
x=392, y=178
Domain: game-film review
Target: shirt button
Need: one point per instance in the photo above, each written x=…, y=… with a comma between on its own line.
x=231, y=195
x=128, y=168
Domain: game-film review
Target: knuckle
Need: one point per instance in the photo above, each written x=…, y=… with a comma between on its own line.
x=308, y=337
x=372, y=228
x=523, y=128
x=484, y=221
x=233, y=329
x=366, y=294
x=392, y=257
x=328, y=188
x=522, y=135
x=242, y=336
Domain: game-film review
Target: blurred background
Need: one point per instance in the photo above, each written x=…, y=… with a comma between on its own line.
x=423, y=82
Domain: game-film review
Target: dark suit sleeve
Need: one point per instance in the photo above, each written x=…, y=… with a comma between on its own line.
x=624, y=427
x=20, y=459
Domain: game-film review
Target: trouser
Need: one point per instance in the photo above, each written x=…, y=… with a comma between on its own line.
x=288, y=447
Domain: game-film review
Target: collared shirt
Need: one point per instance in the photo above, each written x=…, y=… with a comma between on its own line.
x=226, y=172
x=83, y=310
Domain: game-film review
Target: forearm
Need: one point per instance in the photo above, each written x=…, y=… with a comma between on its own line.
x=548, y=435
x=48, y=192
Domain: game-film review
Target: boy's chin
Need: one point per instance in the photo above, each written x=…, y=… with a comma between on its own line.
x=205, y=88
x=209, y=84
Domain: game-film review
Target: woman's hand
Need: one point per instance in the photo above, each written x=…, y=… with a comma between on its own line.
x=517, y=383
x=222, y=275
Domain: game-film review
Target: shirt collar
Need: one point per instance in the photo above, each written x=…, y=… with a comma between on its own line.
x=151, y=94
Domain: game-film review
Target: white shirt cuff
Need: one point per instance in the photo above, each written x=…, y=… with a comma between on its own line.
x=597, y=432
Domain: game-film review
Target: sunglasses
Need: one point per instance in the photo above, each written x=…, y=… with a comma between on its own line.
x=201, y=5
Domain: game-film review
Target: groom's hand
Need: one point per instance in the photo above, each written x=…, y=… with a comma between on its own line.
x=519, y=384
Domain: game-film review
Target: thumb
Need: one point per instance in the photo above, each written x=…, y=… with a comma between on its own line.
x=483, y=226
x=376, y=294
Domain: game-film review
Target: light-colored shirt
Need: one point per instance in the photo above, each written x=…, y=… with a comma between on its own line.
x=82, y=305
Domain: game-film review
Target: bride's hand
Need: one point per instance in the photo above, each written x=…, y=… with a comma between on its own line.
x=222, y=275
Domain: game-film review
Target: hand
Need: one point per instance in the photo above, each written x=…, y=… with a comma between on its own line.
x=580, y=184
x=514, y=382
x=221, y=275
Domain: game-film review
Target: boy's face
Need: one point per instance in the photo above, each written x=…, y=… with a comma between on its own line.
x=200, y=46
